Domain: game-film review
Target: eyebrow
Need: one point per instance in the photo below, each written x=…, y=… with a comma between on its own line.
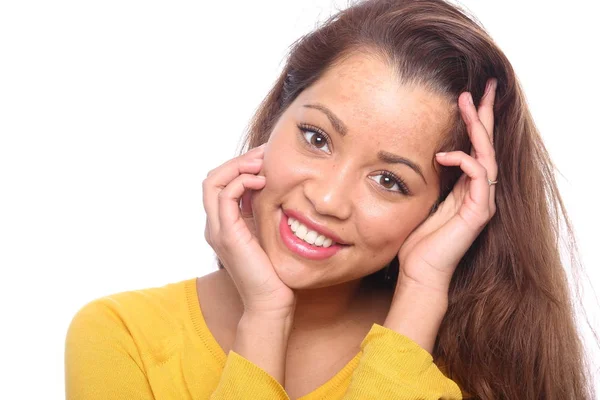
x=384, y=156
x=337, y=123
x=395, y=159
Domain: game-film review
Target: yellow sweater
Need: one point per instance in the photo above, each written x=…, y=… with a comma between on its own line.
x=155, y=344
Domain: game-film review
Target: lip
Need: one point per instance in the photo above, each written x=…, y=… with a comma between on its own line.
x=314, y=226
x=300, y=247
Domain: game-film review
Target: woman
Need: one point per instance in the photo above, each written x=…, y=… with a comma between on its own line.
x=391, y=233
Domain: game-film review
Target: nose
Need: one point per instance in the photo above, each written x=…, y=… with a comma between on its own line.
x=329, y=191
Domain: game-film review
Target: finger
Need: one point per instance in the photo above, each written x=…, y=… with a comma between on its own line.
x=478, y=195
x=255, y=153
x=482, y=148
x=486, y=115
x=229, y=210
x=225, y=173
x=485, y=110
x=219, y=178
x=486, y=107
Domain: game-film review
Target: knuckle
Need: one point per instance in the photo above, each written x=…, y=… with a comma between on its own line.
x=207, y=235
x=488, y=154
x=209, y=240
x=216, y=243
x=483, y=170
x=483, y=218
x=222, y=195
x=488, y=215
x=210, y=173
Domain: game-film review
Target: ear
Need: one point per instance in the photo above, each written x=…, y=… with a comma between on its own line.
x=246, y=204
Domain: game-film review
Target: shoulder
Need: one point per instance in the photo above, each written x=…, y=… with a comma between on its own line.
x=113, y=341
x=140, y=305
x=142, y=319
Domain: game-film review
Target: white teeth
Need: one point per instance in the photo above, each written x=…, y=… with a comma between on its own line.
x=295, y=225
x=319, y=241
x=309, y=236
x=301, y=231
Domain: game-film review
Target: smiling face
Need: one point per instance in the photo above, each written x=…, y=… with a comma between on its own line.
x=351, y=157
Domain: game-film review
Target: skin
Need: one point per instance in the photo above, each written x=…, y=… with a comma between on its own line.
x=338, y=185
x=288, y=307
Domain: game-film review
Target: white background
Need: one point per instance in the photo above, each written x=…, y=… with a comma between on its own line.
x=112, y=112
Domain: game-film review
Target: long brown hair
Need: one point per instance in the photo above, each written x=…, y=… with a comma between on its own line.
x=510, y=331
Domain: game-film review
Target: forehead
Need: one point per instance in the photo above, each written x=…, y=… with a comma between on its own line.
x=365, y=93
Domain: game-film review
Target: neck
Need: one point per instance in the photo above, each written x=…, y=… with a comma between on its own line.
x=326, y=307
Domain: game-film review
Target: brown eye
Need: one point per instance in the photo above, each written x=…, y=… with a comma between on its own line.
x=318, y=140
x=387, y=181
x=391, y=183
x=315, y=138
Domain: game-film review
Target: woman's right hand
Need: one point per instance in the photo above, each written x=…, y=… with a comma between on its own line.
x=230, y=231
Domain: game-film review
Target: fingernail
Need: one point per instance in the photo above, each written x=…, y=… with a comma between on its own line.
x=470, y=98
x=440, y=154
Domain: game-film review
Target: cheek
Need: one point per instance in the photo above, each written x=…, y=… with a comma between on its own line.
x=280, y=169
x=286, y=165
x=384, y=228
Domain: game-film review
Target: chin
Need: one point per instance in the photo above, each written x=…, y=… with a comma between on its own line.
x=305, y=274
x=297, y=274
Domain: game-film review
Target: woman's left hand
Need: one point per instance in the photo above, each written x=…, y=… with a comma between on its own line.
x=431, y=253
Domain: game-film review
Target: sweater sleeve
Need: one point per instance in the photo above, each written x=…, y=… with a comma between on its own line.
x=243, y=379
x=103, y=361
x=393, y=366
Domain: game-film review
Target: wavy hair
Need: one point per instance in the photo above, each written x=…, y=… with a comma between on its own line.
x=510, y=329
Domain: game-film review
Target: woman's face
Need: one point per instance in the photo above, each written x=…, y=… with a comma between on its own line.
x=352, y=160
